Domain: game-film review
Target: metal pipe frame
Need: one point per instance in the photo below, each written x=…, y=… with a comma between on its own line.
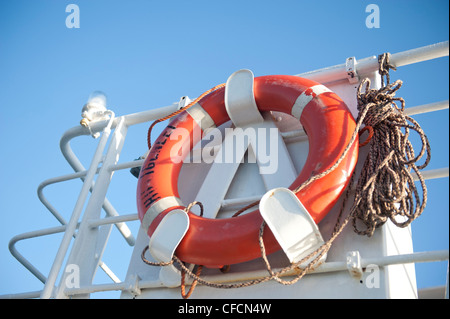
x=370, y=64
x=88, y=184
x=75, y=163
x=73, y=160
x=71, y=225
x=419, y=257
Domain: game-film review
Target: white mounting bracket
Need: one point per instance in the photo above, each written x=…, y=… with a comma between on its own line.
x=132, y=285
x=240, y=100
x=165, y=241
x=184, y=100
x=350, y=68
x=354, y=264
x=291, y=224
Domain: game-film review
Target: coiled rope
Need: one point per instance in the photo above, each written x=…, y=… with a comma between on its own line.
x=385, y=189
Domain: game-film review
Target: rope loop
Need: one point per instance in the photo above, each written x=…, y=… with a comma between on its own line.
x=384, y=66
x=194, y=283
x=361, y=131
x=188, y=208
x=151, y=263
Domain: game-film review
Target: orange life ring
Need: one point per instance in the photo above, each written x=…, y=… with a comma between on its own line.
x=217, y=242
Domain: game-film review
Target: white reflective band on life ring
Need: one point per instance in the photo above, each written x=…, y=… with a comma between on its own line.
x=201, y=117
x=158, y=207
x=306, y=97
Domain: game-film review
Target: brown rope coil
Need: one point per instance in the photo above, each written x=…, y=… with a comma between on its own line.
x=386, y=187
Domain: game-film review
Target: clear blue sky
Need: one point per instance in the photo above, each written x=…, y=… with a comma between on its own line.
x=147, y=54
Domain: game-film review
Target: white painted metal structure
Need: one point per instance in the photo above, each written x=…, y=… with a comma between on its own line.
x=356, y=266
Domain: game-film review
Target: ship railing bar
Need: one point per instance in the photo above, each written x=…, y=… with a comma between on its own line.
x=428, y=174
x=123, y=229
x=55, y=180
x=28, y=235
x=418, y=257
x=80, y=174
x=122, y=286
x=127, y=165
x=420, y=109
x=333, y=266
x=427, y=108
x=22, y=295
x=421, y=54
x=76, y=213
x=112, y=220
x=45, y=232
x=109, y=272
x=129, y=120
x=53, y=230
x=433, y=173
x=73, y=161
x=117, y=219
x=370, y=64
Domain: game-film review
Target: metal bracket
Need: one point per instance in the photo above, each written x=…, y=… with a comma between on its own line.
x=291, y=224
x=132, y=285
x=240, y=100
x=164, y=242
x=184, y=100
x=354, y=264
x=350, y=68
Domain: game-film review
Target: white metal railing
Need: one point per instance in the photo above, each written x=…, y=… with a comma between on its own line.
x=420, y=257
x=120, y=125
x=370, y=64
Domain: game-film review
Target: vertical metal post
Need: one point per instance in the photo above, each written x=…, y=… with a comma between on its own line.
x=90, y=243
x=78, y=167
x=71, y=226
